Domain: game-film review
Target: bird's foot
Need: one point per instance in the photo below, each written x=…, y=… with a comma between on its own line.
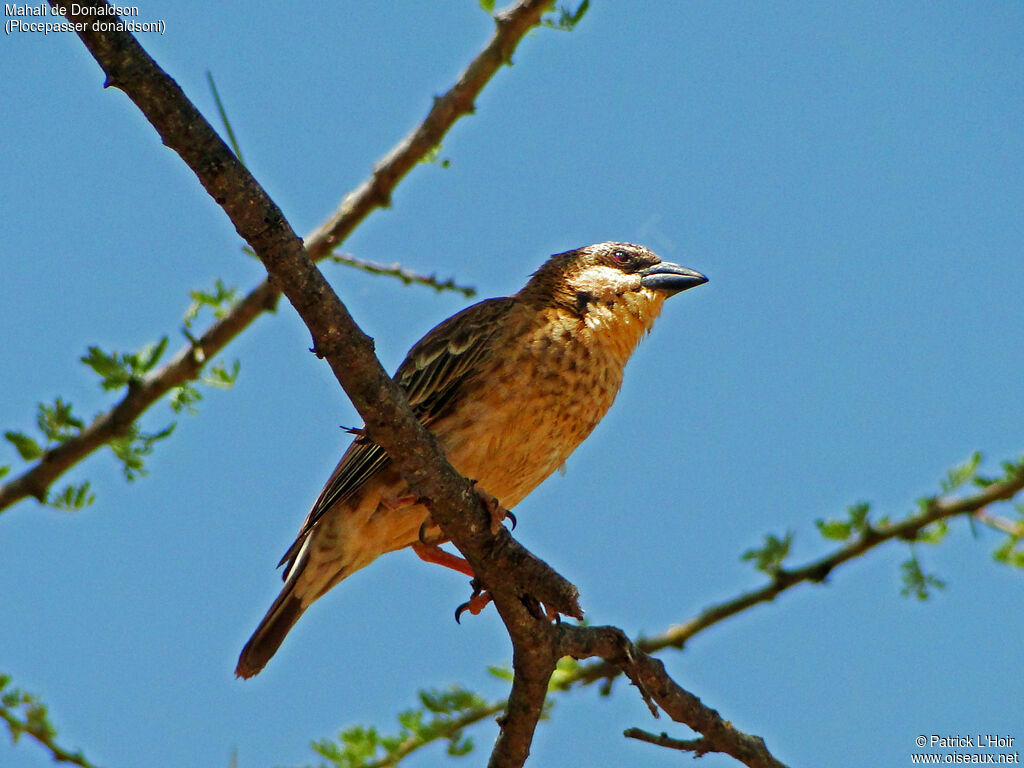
x=497, y=512
x=476, y=603
x=481, y=598
x=430, y=533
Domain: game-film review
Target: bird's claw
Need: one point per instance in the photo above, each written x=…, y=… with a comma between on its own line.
x=481, y=598
x=429, y=534
x=497, y=512
x=476, y=603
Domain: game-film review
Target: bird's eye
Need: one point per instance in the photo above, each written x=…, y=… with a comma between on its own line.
x=621, y=257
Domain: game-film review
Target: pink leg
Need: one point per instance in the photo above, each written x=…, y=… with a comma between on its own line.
x=434, y=554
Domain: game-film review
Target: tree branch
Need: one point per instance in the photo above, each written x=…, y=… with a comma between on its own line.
x=34, y=720
x=654, y=683
x=502, y=565
x=818, y=571
x=697, y=746
x=608, y=645
x=1007, y=526
x=407, y=276
x=511, y=27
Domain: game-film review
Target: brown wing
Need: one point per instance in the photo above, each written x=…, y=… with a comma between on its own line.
x=432, y=374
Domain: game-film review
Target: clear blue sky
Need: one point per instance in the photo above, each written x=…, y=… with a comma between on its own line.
x=850, y=177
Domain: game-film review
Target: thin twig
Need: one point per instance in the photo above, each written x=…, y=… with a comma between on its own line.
x=1000, y=523
x=375, y=192
x=816, y=571
x=450, y=729
x=45, y=738
x=698, y=746
x=405, y=275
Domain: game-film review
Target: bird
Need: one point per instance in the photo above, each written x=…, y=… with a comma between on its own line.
x=509, y=387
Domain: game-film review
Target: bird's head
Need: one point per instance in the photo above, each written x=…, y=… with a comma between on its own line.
x=607, y=274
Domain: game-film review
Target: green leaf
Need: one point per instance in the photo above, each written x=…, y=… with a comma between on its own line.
x=219, y=300
x=442, y=715
x=837, y=530
x=934, y=533
x=916, y=582
x=1012, y=469
x=1009, y=553
x=487, y=5
x=232, y=140
x=502, y=673
x=961, y=473
x=858, y=516
x=57, y=422
x=411, y=720
x=768, y=559
x=567, y=19
x=111, y=369
x=840, y=530
x=146, y=358
x=4, y=469
x=72, y=498
x=185, y=397
x=219, y=376
x=132, y=447
x=460, y=746
x=118, y=370
x=565, y=674
x=26, y=446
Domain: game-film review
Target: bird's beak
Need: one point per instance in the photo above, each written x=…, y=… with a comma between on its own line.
x=670, y=278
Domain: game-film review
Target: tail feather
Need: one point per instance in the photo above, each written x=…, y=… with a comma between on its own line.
x=271, y=632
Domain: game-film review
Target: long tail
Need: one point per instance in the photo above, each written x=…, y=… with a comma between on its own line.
x=269, y=635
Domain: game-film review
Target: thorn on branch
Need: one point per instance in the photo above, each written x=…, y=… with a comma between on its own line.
x=634, y=676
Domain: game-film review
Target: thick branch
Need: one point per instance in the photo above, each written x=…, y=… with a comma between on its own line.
x=512, y=26
x=534, y=658
x=649, y=676
x=378, y=399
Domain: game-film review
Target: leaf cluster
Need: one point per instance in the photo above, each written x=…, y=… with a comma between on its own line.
x=559, y=18
x=127, y=368
x=28, y=714
x=441, y=715
x=25, y=714
x=56, y=424
x=769, y=557
x=859, y=525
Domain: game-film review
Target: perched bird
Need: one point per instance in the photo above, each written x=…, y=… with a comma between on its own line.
x=509, y=387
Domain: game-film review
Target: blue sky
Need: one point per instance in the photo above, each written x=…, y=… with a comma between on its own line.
x=851, y=179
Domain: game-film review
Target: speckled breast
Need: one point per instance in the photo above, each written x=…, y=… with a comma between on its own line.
x=524, y=417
